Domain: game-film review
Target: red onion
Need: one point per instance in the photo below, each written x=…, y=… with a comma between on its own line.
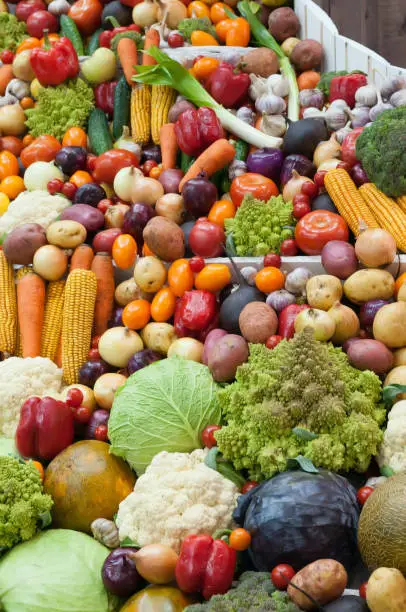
x=368, y=311
x=170, y=180
x=267, y=162
x=358, y=175
x=300, y=163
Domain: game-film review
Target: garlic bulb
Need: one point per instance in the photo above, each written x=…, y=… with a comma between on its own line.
x=18, y=88
x=236, y=168
x=341, y=134
x=273, y=125
x=258, y=87
x=398, y=98
x=249, y=273
x=336, y=118
x=313, y=113
x=391, y=85
x=359, y=116
x=328, y=149
x=270, y=104
x=7, y=100
x=378, y=109
x=278, y=85
x=313, y=98
x=339, y=104
x=366, y=96
x=246, y=114
x=105, y=532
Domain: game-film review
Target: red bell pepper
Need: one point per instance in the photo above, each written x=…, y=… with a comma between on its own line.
x=107, y=36
x=227, y=86
x=197, y=309
x=286, y=327
x=45, y=428
x=104, y=97
x=55, y=62
x=349, y=147
x=197, y=129
x=205, y=566
x=344, y=87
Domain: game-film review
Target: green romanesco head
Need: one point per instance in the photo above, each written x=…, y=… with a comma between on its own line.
x=189, y=25
x=259, y=227
x=60, y=108
x=300, y=385
x=12, y=32
x=23, y=505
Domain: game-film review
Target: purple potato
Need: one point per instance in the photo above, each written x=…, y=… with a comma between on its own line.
x=228, y=353
x=91, y=218
x=119, y=573
x=370, y=354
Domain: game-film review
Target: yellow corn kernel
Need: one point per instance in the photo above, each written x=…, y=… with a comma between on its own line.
x=22, y=272
x=388, y=214
x=8, y=307
x=402, y=203
x=162, y=98
x=52, y=326
x=141, y=113
x=77, y=321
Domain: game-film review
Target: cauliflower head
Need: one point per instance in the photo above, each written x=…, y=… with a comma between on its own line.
x=20, y=379
x=178, y=495
x=32, y=207
x=392, y=453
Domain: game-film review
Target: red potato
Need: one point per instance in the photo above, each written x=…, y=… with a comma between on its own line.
x=212, y=338
x=370, y=355
x=22, y=242
x=88, y=216
x=324, y=580
x=103, y=241
x=227, y=354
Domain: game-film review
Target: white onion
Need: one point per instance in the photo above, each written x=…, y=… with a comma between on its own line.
x=105, y=388
x=38, y=175
x=146, y=190
x=118, y=344
x=123, y=182
x=188, y=348
x=50, y=262
x=146, y=13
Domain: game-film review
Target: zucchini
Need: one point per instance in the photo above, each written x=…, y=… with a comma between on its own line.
x=98, y=132
x=70, y=30
x=121, y=116
x=93, y=43
x=186, y=162
x=241, y=150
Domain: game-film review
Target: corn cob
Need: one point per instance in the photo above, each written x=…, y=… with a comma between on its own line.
x=349, y=203
x=8, y=307
x=402, y=203
x=77, y=321
x=388, y=214
x=141, y=113
x=162, y=98
x=51, y=329
x=19, y=346
x=22, y=272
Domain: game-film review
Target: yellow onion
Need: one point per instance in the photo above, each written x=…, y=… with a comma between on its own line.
x=326, y=150
x=156, y=563
x=294, y=186
x=375, y=247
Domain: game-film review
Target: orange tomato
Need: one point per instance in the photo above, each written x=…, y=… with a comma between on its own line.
x=205, y=66
x=270, y=279
x=308, y=79
x=75, y=137
x=87, y=15
x=137, y=314
x=203, y=39
x=221, y=210
x=259, y=186
x=12, y=144
x=27, y=102
x=28, y=43
x=8, y=164
x=180, y=277
x=218, y=12
x=222, y=28
x=234, y=32
x=81, y=177
x=399, y=282
x=44, y=148
x=240, y=539
x=213, y=277
x=155, y=172
x=52, y=37
x=124, y=251
x=163, y=305
x=12, y=186
x=27, y=140
x=198, y=9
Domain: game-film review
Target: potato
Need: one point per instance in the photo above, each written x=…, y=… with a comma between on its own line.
x=262, y=62
x=149, y=274
x=128, y=290
x=397, y=376
x=324, y=580
x=370, y=355
x=22, y=242
x=401, y=296
x=158, y=336
x=386, y=590
x=283, y=23
x=365, y=285
x=165, y=238
x=390, y=325
x=66, y=234
x=257, y=322
x=323, y=291
x=399, y=357
x=227, y=354
x=307, y=55
x=88, y=216
x=172, y=207
x=188, y=348
x=289, y=45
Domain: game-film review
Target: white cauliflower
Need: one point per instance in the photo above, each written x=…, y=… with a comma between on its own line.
x=32, y=207
x=20, y=379
x=392, y=453
x=177, y=496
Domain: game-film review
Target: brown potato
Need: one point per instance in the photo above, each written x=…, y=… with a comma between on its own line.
x=227, y=354
x=283, y=23
x=399, y=357
x=128, y=290
x=164, y=238
x=386, y=590
x=307, y=55
x=257, y=322
x=262, y=62
x=323, y=291
x=66, y=234
x=370, y=284
x=21, y=243
x=324, y=580
x=390, y=325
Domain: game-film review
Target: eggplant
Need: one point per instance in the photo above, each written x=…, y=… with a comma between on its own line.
x=233, y=304
x=303, y=137
x=347, y=603
x=324, y=202
x=120, y=12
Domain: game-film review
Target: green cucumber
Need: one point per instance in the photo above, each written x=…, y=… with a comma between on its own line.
x=186, y=162
x=241, y=150
x=93, y=43
x=121, y=115
x=98, y=132
x=70, y=30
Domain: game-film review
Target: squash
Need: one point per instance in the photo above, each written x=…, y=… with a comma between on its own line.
x=156, y=599
x=86, y=482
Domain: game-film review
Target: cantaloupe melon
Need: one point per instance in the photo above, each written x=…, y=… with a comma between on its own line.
x=382, y=526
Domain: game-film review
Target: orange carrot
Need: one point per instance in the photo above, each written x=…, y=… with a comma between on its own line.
x=169, y=146
x=82, y=257
x=102, y=266
x=214, y=158
x=6, y=74
x=152, y=39
x=128, y=56
x=30, y=307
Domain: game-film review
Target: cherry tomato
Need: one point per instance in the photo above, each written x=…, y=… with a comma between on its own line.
x=317, y=228
x=310, y=189
x=259, y=186
x=180, y=277
x=95, y=341
x=363, y=590
x=273, y=341
x=39, y=21
x=74, y=398
x=148, y=165
x=124, y=251
x=155, y=172
x=103, y=205
x=270, y=279
x=100, y=433
x=221, y=210
x=109, y=163
x=175, y=39
x=272, y=259
x=196, y=264
x=163, y=305
x=7, y=56
x=281, y=575
x=363, y=493
x=300, y=207
x=80, y=178
x=93, y=354
x=206, y=239
x=248, y=486
x=319, y=178
x=82, y=414
x=213, y=277
x=55, y=186
x=289, y=248
x=69, y=190
x=137, y=314
x=240, y=539
x=90, y=162
x=208, y=438
x=344, y=166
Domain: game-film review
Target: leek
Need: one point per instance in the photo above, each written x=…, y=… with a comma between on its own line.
x=265, y=39
x=169, y=72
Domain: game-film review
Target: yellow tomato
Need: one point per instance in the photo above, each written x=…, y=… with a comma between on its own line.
x=4, y=203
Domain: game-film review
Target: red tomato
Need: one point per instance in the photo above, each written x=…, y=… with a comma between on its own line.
x=93, y=354
x=317, y=228
x=100, y=433
x=109, y=163
x=7, y=56
x=39, y=21
x=273, y=341
x=206, y=239
x=82, y=414
x=74, y=398
x=363, y=590
x=104, y=240
x=257, y=185
x=363, y=493
x=69, y=190
x=196, y=264
x=208, y=438
x=319, y=178
x=25, y=8
x=87, y=15
x=310, y=189
x=289, y=248
x=348, y=153
x=273, y=260
x=281, y=574
x=55, y=186
x=249, y=485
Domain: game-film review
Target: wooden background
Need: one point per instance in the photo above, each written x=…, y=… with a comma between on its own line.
x=377, y=24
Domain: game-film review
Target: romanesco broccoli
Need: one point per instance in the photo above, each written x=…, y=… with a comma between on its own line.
x=12, y=32
x=187, y=26
x=258, y=227
x=301, y=384
x=23, y=505
x=254, y=591
x=60, y=108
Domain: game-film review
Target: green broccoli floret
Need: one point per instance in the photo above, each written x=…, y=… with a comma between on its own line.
x=23, y=506
x=301, y=384
x=12, y=32
x=60, y=108
x=187, y=26
x=381, y=148
x=259, y=227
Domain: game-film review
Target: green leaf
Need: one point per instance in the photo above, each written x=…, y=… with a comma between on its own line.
x=386, y=471
x=304, y=434
x=214, y=461
x=230, y=246
x=390, y=393
x=211, y=458
x=230, y=14
x=304, y=464
x=129, y=542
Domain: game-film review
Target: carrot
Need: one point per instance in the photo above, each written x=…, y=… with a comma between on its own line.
x=82, y=257
x=128, y=55
x=169, y=146
x=152, y=39
x=6, y=74
x=30, y=307
x=214, y=158
x=102, y=266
